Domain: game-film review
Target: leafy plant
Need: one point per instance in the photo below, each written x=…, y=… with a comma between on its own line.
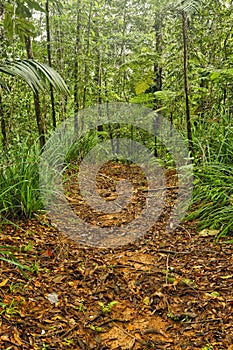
x=19, y=183
x=36, y=74
x=9, y=310
x=7, y=251
x=207, y=347
x=35, y=267
x=107, y=308
x=14, y=287
x=28, y=247
x=212, y=201
x=94, y=328
x=213, y=178
x=68, y=342
x=81, y=307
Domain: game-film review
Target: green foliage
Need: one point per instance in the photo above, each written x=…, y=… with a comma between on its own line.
x=17, y=18
x=213, y=197
x=95, y=328
x=6, y=254
x=207, y=347
x=35, y=74
x=107, y=308
x=19, y=183
x=8, y=309
x=82, y=146
x=213, y=192
x=189, y=5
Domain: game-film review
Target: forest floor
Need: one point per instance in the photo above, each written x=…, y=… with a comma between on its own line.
x=163, y=291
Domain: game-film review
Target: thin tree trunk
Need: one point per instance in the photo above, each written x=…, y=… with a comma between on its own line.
x=157, y=70
x=99, y=85
x=86, y=69
x=60, y=56
x=186, y=89
x=3, y=126
x=99, y=77
x=50, y=61
x=76, y=64
x=2, y=118
x=121, y=88
x=40, y=123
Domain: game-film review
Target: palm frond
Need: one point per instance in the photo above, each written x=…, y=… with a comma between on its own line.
x=189, y=5
x=36, y=74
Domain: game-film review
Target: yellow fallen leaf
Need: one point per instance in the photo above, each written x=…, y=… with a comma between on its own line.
x=17, y=338
x=4, y=282
x=71, y=283
x=207, y=232
x=227, y=277
x=146, y=301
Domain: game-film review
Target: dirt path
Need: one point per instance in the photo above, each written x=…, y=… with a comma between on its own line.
x=172, y=291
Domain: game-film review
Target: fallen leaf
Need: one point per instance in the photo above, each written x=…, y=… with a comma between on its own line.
x=4, y=282
x=16, y=337
x=5, y=338
x=53, y=298
x=207, y=232
x=146, y=301
x=227, y=277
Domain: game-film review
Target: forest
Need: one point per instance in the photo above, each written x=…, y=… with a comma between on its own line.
x=132, y=100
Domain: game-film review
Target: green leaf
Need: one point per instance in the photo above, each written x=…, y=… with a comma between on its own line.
x=36, y=74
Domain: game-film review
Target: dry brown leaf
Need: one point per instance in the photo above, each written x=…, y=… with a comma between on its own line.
x=16, y=337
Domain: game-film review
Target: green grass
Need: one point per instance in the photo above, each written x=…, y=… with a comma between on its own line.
x=213, y=191
x=6, y=255
x=213, y=197
x=19, y=183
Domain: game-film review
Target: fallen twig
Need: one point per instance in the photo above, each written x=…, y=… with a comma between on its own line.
x=112, y=320
x=204, y=321
x=166, y=251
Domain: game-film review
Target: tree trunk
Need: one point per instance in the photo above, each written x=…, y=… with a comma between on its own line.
x=3, y=126
x=50, y=61
x=99, y=88
x=39, y=120
x=157, y=86
x=60, y=56
x=186, y=89
x=86, y=68
x=76, y=64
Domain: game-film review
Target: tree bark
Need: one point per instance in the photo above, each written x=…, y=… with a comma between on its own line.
x=3, y=126
x=86, y=68
x=50, y=62
x=39, y=120
x=157, y=86
x=76, y=64
x=186, y=88
x=60, y=57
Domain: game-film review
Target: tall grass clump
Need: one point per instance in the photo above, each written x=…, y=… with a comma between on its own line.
x=19, y=182
x=82, y=146
x=213, y=190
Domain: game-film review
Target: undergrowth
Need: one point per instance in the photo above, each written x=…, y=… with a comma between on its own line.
x=19, y=182
x=213, y=190
x=212, y=204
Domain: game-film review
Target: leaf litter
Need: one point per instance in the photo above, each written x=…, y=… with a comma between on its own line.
x=164, y=291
